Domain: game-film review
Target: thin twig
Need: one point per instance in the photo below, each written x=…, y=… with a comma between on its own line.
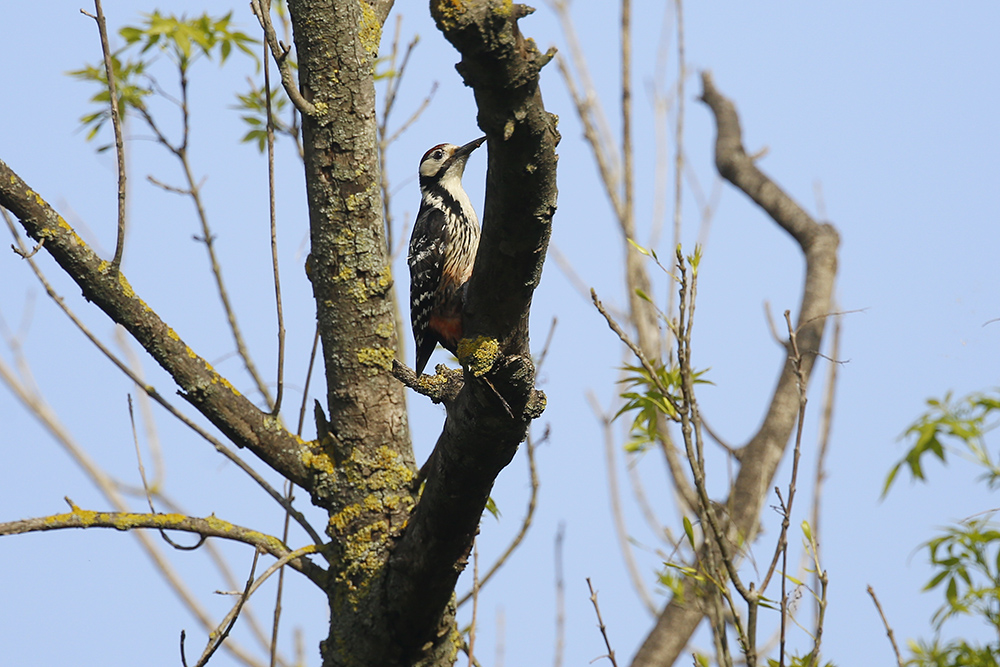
x=305, y=390
x=678, y=136
x=796, y=359
x=560, y=597
x=475, y=601
x=888, y=629
x=251, y=589
x=289, y=487
x=621, y=529
x=600, y=622
x=825, y=429
x=280, y=53
x=274, y=225
x=145, y=406
x=625, y=338
x=117, y=125
x=501, y=626
x=193, y=190
x=145, y=486
x=628, y=170
x=691, y=432
x=529, y=447
x=219, y=637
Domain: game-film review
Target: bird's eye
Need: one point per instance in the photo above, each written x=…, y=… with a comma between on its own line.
x=438, y=155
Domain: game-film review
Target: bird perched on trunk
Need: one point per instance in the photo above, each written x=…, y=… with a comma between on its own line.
x=442, y=250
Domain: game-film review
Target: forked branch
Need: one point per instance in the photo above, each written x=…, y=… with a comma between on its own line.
x=762, y=454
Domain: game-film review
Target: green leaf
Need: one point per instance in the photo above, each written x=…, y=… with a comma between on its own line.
x=689, y=531
x=492, y=508
x=638, y=247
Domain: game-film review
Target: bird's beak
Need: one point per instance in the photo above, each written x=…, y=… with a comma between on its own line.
x=465, y=150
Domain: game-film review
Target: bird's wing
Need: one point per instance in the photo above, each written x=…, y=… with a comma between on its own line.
x=426, y=258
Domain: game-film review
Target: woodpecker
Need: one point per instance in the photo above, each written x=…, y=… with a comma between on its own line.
x=442, y=250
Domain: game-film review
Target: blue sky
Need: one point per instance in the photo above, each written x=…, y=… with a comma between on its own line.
x=887, y=109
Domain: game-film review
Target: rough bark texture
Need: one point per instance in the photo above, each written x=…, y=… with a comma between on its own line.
x=367, y=484
x=762, y=454
x=392, y=588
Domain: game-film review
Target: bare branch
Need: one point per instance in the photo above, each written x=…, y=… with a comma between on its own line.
x=825, y=429
x=280, y=53
x=621, y=529
x=762, y=454
x=529, y=448
x=219, y=636
x=207, y=527
x=600, y=622
x=276, y=409
x=560, y=597
x=888, y=628
x=475, y=603
x=679, y=130
x=116, y=123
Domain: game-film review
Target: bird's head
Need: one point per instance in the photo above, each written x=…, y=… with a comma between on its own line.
x=445, y=162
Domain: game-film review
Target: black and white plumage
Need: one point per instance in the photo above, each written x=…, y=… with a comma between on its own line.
x=442, y=250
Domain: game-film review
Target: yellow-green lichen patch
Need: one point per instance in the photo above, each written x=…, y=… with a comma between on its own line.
x=127, y=290
x=384, y=329
x=346, y=273
x=342, y=519
x=314, y=457
x=478, y=354
x=446, y=12
x=370, y=30
x=359, y=290
x=37, y=197
x=362, y=554
x=362, y=289
x=384, y=278
x=218, y=379
x=321, y=107
x=431, y=381
x=389, y=471
x=376, y=358
x=504, y=9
